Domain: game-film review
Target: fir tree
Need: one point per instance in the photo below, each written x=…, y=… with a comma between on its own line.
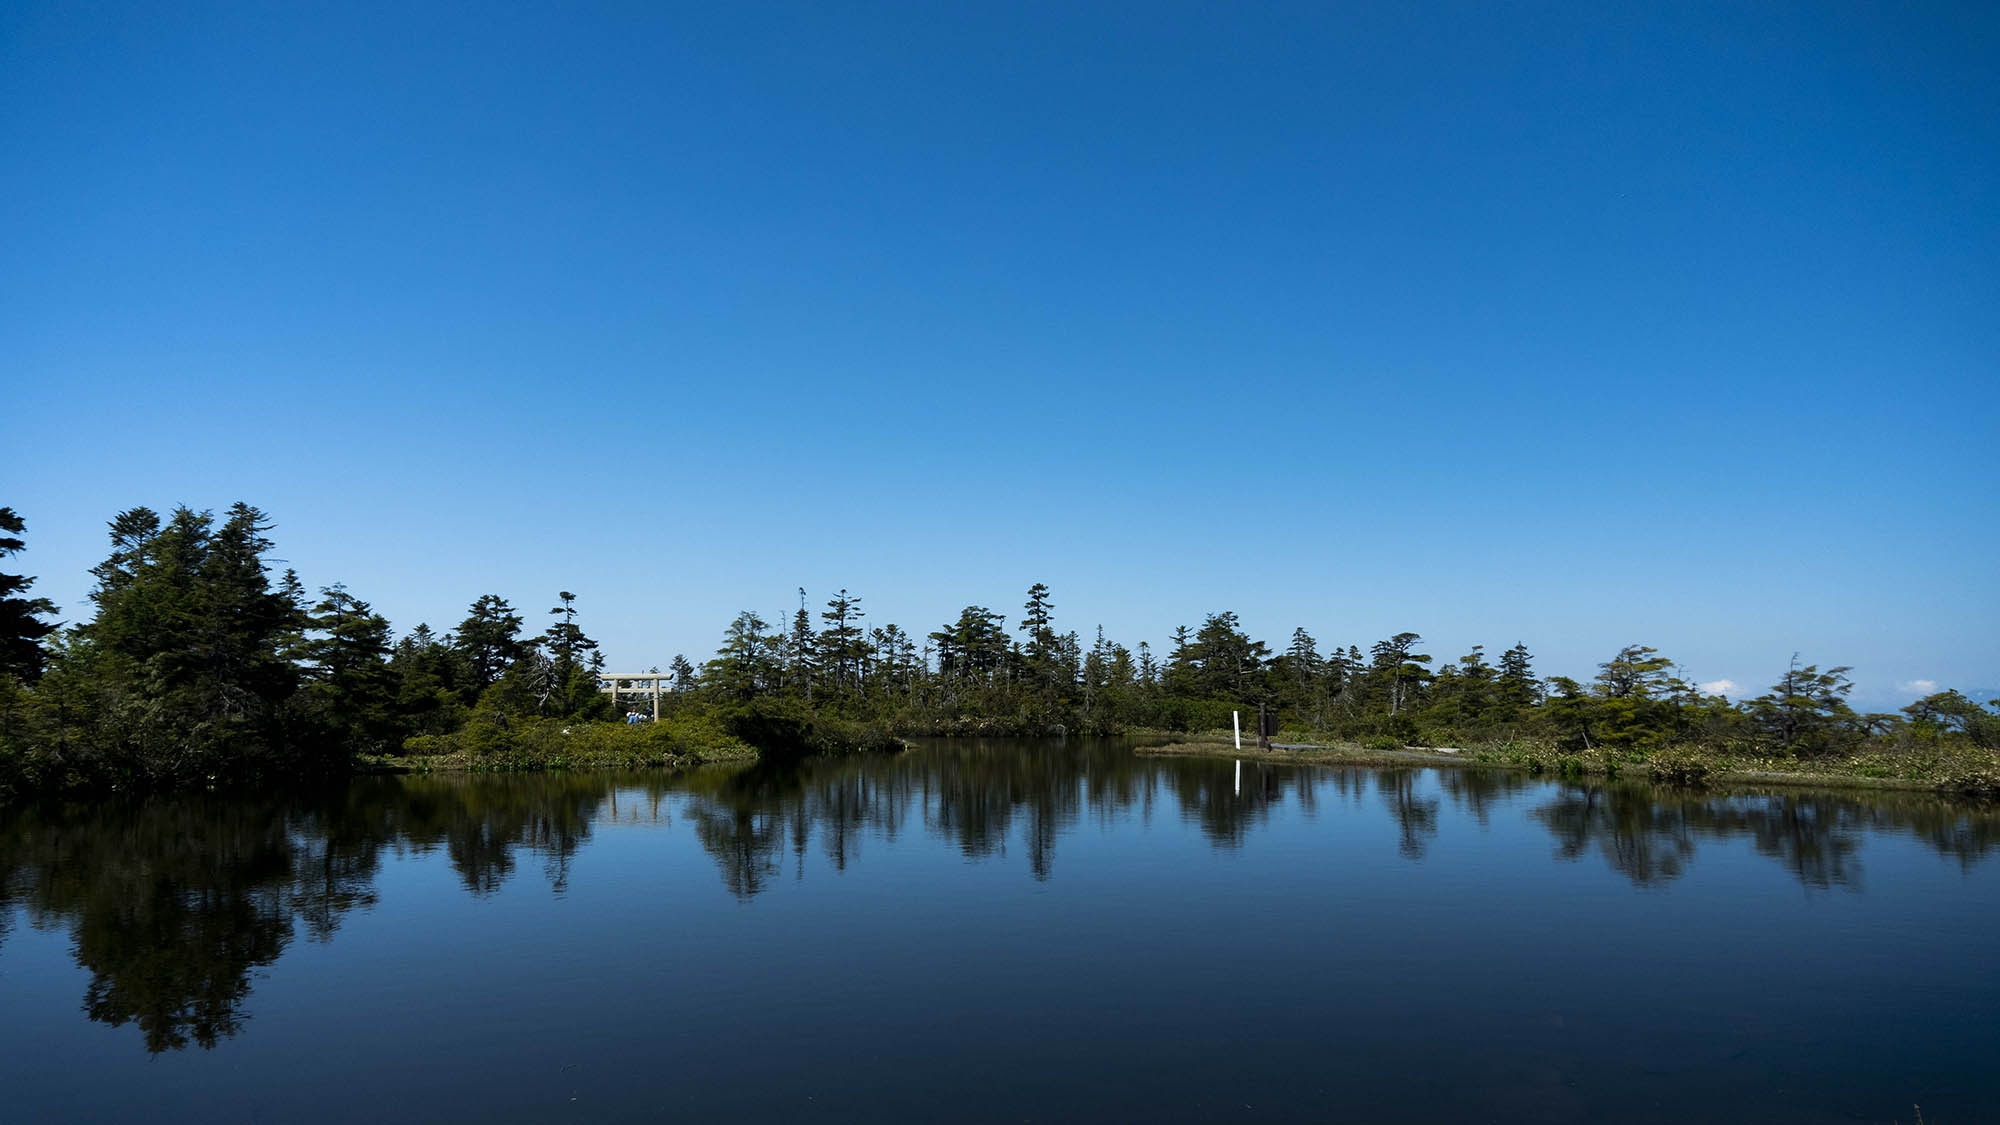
x=843, y=645
x=684, y=674
x=1042, y=648
x=572, y=686
x=1519, y=689
x=21, y=624
x=488, y=642
x=353, y=690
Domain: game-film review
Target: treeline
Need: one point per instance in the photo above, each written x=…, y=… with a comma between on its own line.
x=197, y=665
x=976, y=675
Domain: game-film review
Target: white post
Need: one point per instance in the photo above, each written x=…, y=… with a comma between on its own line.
x=656, y=699
x=1236, y=721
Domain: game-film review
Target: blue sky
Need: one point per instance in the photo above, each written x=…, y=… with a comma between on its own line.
x=1579, y=325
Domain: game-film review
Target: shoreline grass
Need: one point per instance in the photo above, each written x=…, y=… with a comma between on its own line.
x=1952, y=771
x=494, y=743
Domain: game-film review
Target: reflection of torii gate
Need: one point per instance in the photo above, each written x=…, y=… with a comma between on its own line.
x=656, y=679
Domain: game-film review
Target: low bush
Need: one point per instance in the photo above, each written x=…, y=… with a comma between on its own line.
x=1679, y=766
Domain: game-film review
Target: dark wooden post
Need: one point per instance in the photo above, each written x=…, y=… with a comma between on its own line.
x=1263, y=729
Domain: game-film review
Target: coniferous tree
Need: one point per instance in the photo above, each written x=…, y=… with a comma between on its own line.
x=1179, y=675
x=1633, y=690
x=488, y=642
x=352, y=691
x=1399, y=669
x=427, y=671
x=801, y=651
x=974, y=647
x=1041, y=652
x=743, y=666
x=21, y=624
x=183, y=663
x=685, y=678
x=571, y=654
x=1302, y=677
x=1637, y=672
x=1806, y=712
x=1344, y=679
x=131, y=531
x=843, y=644
x=1519, y=689
x=1464, y=691
x=1227, y=660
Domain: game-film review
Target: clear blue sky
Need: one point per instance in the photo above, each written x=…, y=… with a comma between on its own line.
x=1579, y=325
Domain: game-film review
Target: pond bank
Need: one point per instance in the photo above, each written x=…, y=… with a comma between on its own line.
x=538, y=760
x=1975, y=776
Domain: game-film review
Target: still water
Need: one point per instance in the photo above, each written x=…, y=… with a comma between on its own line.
x=1003, y=931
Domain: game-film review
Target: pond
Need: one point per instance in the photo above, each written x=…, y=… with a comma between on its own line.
x=1002, y=931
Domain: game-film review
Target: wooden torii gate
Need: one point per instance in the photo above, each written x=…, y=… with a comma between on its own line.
x=655, y=680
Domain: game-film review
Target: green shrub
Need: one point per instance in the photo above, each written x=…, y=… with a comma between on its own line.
x=1970, y=781
x=1678, y=766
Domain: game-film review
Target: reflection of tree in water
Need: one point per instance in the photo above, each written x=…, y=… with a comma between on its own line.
x=1416, y=817
x=1949, y=827
x=483, y=824
x=1479, y=791
x=987, y=798
x=983, y=797
x=1648, y=834
x=173, y=902
x=1646, y=841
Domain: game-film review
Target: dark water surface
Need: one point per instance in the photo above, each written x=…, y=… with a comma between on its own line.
x=1003, y=932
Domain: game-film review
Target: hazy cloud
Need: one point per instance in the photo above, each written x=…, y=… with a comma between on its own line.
x=1917, y=687
x=1719, y=687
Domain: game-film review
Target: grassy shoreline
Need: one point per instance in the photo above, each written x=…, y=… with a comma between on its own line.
x=1957, y=773
x=695, y=739
x=538, y=761
x=495, y=744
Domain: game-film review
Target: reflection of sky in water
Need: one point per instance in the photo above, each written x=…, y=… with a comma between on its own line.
x=1083, y=931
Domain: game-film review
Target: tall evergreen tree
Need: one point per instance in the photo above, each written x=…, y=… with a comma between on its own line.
x=352, y=688
x=185, y=651
x=743, y=666
x=427, y=671
x=1179, y=673
x=571, y=656
x=21, y=624
x=1227, y=660
x=1042, y=649
x=1302, y=677
x=1519, y=689
x=488, y=641
x=843, y=644
x=974, y=647
x=685, y=678
x=1399, y=669
x=802, y=651
x=1637, y=672
x=1806, y=712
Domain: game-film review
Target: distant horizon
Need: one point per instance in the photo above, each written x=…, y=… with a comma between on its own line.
x=1584, y=326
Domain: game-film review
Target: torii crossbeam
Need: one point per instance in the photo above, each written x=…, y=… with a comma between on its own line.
x=654, y=680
